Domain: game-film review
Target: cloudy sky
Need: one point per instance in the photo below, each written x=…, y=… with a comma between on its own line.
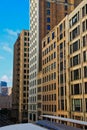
x=14, y=17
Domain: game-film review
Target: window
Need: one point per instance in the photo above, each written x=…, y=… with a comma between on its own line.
x=77, y=105
x=74, y=33
x=85, y=56
x=76, y=74
x=53, y=35
x=66, y=14
x=71, y=49
x=24, y=94
x=25, y=54
x=84, y=40
x=62, y=104
x=25, y=39
x=66, y=7
x=25, y=43
x=54, y=54
x=85, y=71
x=62, y=91
x=61, y=36
x=77, y=89
x=54, y=75
x=54, y=108
x=25, y=49
x=61, y=46
x=54, y=86
x=84, y=10
x=48, y=12
x=85, y=87
x=61, y=66
x=83, y=26
x=61, y=27
x=76, y=45
x=48, y=4
x=61, y=78
x=44, y=44
x=25, y=65
x=52, y=66
x=74, y=20
x=71, y=64
x=61, y=55
x=48, y=27
x=48, y=39
x=76, y=60
x=48, y=20
x=25, y=33
x=86, y=104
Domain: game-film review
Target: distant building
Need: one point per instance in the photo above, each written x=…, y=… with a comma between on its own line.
x=3, y=83
x=4, y=91
x=6, y=98
x=21, y=77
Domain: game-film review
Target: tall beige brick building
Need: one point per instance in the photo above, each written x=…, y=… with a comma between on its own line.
x=64, y=67
x=20, y=91
x=44, y=15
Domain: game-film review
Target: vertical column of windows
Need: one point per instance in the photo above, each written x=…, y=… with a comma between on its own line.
x=48, y=16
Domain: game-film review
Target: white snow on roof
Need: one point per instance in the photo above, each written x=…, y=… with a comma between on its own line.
x=27, y=126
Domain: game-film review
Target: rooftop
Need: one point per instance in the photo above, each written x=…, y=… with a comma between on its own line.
x=27, y=126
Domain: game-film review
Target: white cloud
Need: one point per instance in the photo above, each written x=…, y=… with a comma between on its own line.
x=6, y=78
x=7, y=48
x=12, y=32
x=1, y=57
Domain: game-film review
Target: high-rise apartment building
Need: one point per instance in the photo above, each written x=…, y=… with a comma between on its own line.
x=65, y=64
x=21, y=77
x=44, y=15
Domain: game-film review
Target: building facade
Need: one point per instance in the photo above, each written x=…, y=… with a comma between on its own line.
x=70, y=70
x=39, y=95
x=49, y=74
x=44, y=15
x=20, y=91
x=77, y=60
x=62, y=38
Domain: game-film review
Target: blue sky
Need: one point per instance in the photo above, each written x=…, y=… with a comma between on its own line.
x=14, y=17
